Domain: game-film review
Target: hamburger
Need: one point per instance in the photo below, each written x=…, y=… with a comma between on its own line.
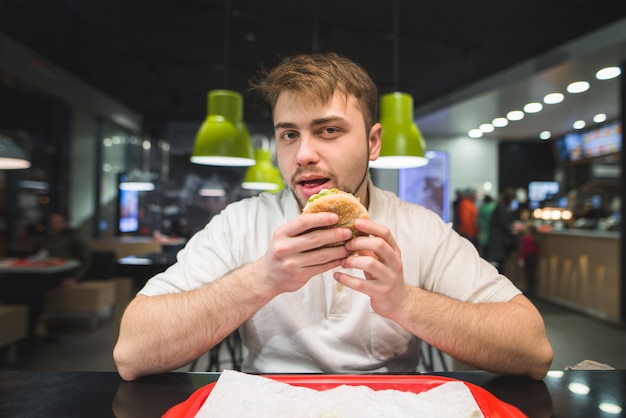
x=347, y=206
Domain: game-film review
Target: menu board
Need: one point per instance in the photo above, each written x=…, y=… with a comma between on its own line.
x=581, y=146
x=603, y=141
x=541, y=190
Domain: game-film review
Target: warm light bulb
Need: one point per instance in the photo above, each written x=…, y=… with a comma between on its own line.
x=486, y=128
x=545, y=135
x=500, y=122
x=608, y=73
x=578, y=87
x=475, y=133
x=533, y=107
x=599, y=118
x=515, y=115
x=553, y=98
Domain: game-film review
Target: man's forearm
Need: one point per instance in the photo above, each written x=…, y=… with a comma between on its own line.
x=161, y=333
x=507, y=337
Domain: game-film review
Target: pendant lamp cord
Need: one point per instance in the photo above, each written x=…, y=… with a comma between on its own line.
x=396, y=44
x=315, y=41
x=226, y=41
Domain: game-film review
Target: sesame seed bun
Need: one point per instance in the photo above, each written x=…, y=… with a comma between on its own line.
x=347, y=206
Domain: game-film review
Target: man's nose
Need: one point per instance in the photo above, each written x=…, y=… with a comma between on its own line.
x=307, y=150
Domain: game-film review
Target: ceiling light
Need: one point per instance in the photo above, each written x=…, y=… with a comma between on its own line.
x=207, y=192
x=578, y=87
x=263, y=175
x=34, y=184
x=475, y=133
x=553, y=98
x=137, y=180
x=402, y=143
x=500, y=122
x=533, y=107
x=608, y=73
x=486, y=128
x=223, y=138
x=515, y=115
x=212, y=187
x=545, y=135
x=579, y=124
x=12, y=157
x=599, y=118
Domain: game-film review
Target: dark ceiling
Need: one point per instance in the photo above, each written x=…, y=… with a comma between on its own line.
x=161, y=57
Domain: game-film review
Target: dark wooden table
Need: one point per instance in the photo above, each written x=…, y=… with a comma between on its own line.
x=25, y=281
x=105, y=394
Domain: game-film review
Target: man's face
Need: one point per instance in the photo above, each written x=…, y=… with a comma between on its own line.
x=321, y=146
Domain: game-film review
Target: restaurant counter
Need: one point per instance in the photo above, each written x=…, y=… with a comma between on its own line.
x=580, y=269
x=570, y=393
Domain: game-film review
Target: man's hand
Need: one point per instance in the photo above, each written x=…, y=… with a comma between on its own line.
x=295, y=254
x=380, y=259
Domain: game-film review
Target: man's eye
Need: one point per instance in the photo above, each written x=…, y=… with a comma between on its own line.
x=330, y=130
x=289, y=136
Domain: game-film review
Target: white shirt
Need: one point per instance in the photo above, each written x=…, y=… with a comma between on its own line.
x=324, y=327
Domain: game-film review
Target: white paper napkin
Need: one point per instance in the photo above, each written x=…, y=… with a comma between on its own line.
x=239, y=394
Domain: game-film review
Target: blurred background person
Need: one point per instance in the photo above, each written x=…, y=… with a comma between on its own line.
x=485, y=211
x=528, y=256
x=458, y=195
x=467, y=213
x=62, y=241
x=502, y=241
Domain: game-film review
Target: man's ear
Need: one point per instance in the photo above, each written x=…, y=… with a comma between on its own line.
x=374, y=139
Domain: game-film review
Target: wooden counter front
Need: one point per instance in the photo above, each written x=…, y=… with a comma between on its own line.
x=581, y=270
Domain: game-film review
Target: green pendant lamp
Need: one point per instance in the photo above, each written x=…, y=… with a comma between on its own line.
x=402, y=143
x=223, y=138
x=263, y=175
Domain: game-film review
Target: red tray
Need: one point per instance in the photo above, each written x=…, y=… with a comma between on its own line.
x=490, y=406
x=24, y=262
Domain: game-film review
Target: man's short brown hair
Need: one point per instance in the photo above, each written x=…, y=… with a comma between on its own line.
x=320, y=75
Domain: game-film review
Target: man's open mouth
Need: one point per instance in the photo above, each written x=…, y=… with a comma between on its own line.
x=313, y=183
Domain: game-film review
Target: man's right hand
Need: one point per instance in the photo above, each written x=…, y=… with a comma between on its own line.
x=295, y=254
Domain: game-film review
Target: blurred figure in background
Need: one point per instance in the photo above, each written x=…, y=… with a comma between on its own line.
x=467, y=213
x=62, y=241
x=59, y=241
x=458, y=195
x=485, y=211
x=502, y=241
x=528, y=257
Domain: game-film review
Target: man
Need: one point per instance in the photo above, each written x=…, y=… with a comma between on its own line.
x=502, y=240
x=259, y=265
x=468, y=217
x=484, y=220
x=60, y=241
